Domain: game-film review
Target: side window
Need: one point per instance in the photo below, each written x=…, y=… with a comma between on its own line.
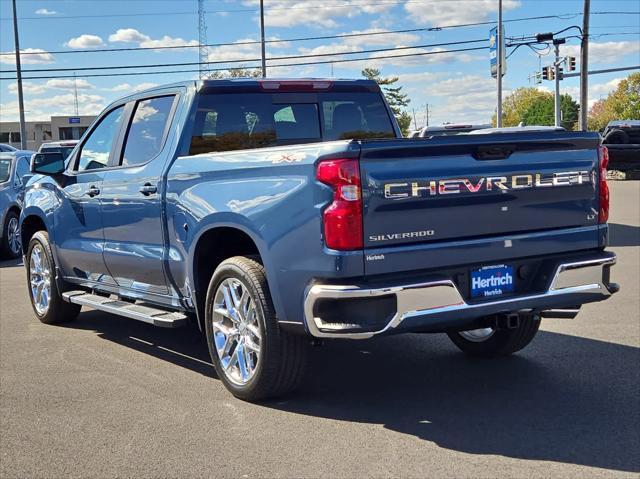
x=95, y=151
x=22, y=167
x=144, y=140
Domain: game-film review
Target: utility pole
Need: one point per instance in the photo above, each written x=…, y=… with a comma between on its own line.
x=415, y=122
x=75, y=93
x=499, y=64
x=427, y=108
x=23, y=128
x=557, y=73
x=584, y=67
x=264, y=59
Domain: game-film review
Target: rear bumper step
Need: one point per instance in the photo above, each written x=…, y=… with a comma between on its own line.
x=439, y=304
x=157, y=317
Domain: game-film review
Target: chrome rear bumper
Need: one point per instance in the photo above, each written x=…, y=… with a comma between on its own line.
x=573, y=284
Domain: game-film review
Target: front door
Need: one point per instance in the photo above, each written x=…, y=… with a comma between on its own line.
x=132, y=202
x=78, y=225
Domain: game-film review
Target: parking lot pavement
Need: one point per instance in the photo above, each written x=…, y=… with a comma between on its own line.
x=108, y=397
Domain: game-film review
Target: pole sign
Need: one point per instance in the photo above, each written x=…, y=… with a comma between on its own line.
x=493, y=52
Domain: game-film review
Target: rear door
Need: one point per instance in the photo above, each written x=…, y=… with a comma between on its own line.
x=477, y=187
x=131, y=198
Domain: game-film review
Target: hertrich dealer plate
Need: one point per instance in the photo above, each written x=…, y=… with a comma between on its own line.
x=491, y=281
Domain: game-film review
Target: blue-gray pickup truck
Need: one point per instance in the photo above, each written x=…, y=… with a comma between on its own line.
x=274, y=214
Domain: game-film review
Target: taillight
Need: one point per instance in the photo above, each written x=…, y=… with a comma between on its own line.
x=343, y=217
x=603, y=217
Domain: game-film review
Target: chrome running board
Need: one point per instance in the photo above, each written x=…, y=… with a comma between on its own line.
x=139, y=312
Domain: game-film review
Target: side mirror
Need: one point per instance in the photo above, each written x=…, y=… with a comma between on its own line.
x=47, y=163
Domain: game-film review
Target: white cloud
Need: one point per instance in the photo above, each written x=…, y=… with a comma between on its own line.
x=85, y=41
x=378, y=39
x=35, y=56
x=439, y=13
x=35, y=89
x=39, y=109
x=28, y=88
x=463, y=85
x=292, y=13
x=244, y=49
x=45, y=11
x=605, y=52
x=126, y=87
x=131, y=35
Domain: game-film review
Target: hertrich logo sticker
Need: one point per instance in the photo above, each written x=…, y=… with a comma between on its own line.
x=423, y=188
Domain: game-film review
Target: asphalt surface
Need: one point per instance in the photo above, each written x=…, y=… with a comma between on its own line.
x=111, y=397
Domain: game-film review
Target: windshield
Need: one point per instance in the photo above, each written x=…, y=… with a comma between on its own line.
x=65, y=150
x=5, y=169
x=234, y=121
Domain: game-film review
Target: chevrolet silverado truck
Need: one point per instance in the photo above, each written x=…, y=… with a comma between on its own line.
x=274, y=214
x=622, y=139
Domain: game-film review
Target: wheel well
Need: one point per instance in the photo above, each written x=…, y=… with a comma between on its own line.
x=213, y=248
x=30, y=225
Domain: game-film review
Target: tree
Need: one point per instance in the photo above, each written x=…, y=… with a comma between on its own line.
x=532, y=106
x=542, y=112
x=517, y=103
x=621, y=104
x=240, y=72
x=396, y=98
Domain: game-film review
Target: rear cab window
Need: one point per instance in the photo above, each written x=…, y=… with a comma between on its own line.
x=234, y=121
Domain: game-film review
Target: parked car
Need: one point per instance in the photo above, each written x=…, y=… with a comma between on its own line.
x=622, y=138
x=449, y=129
x=65, y=147
x=14, y=172
x=4, y=148
x=277, y=212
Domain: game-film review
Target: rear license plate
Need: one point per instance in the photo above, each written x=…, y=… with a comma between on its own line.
x=491, y=281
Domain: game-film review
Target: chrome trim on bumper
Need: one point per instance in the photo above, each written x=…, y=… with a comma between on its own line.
x=436, y=297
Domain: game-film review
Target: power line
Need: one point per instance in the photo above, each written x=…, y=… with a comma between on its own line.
x=244, y=60
x=322, y=62
x=564, y=16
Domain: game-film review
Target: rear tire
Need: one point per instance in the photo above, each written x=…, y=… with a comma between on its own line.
x=253, y=357
x=501, y=342
x=45, y=298
x=11, y=247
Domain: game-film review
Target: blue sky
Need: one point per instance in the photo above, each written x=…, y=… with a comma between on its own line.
x=457, y=86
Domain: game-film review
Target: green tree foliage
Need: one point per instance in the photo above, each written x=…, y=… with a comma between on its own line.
x=621, y=104
x=240, y=72
x=396, y=98
x=531, y=106
x=541, y=112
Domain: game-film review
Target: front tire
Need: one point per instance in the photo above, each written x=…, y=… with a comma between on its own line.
x=253, y=357
x=491, y=342
x=46, y=300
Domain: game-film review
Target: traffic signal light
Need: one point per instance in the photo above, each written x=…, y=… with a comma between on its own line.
x=571, y=63
x=548, y=73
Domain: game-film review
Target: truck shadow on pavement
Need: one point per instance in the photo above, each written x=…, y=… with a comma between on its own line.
x=624, y=235
x=564, y=399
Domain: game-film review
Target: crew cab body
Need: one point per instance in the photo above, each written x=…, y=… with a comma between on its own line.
x=359, y=231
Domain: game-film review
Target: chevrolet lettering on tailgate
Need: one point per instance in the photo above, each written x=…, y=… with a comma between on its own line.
x=490, y=183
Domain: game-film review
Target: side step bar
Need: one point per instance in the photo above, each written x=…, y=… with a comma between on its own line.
x=157, y=317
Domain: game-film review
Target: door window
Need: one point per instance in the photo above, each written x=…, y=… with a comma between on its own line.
x=95, y=151
x=22, y=168
x=146, y=133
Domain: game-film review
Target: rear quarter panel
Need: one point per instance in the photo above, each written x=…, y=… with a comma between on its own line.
x=271, y=195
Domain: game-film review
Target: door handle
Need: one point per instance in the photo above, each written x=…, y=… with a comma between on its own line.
x=92, y=191
x=148, y=189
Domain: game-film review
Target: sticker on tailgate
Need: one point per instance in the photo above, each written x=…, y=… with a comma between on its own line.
x=493, y=280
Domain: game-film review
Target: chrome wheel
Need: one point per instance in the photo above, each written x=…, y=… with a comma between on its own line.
x=477, y=335
x=40, y=279
x=236, y=331
x=13, y=236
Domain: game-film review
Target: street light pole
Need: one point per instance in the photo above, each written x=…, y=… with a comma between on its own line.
x=584, y=66
x=23, y=129
x=556, y=66
x=499, y=65
x=264, y=60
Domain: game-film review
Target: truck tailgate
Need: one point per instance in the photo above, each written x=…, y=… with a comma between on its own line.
x=478, y=187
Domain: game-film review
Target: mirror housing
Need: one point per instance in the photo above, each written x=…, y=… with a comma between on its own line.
x=47, y=163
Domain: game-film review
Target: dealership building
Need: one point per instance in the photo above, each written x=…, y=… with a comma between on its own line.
x=58, y=128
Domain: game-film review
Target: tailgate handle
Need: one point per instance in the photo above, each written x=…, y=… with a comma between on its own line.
x=494, y=152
